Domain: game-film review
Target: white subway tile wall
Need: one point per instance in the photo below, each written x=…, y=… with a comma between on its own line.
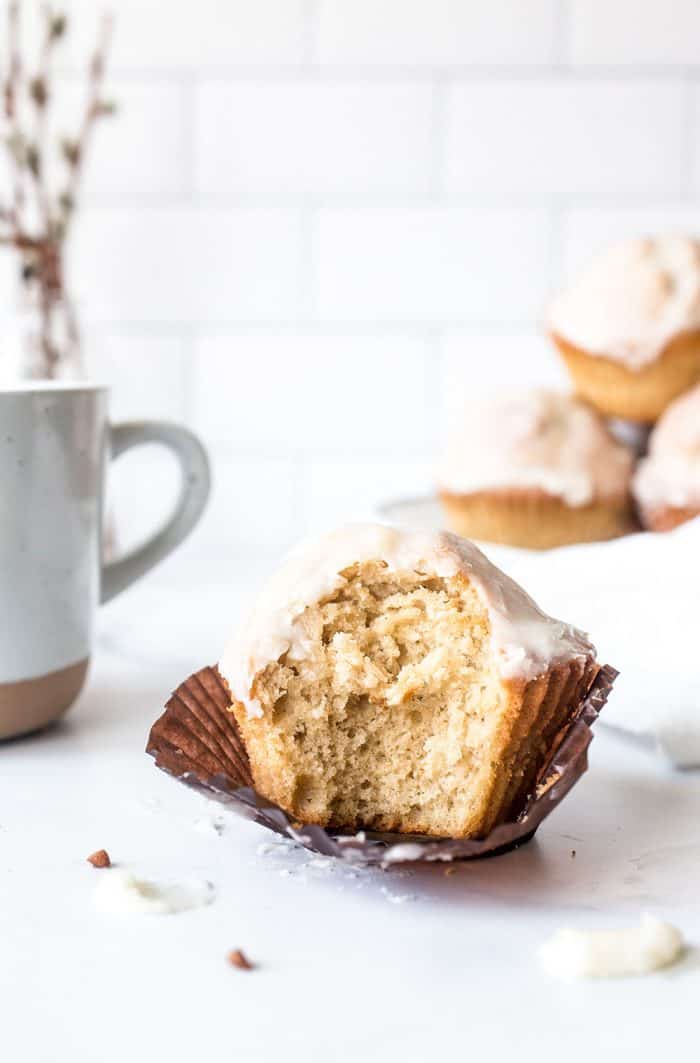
x=436, y=33
x=556, y=139
x=433, y=264
x=316, y=225
x=310, y=394
x=295, y=142
x=189, y=264
x=634, y=32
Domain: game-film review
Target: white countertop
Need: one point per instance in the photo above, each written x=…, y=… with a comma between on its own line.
x=353, y=965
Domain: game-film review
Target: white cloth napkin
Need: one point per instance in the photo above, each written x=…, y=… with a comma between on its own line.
x=639, y=598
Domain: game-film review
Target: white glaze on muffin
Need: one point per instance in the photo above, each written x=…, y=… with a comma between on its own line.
x=526, y=642
x=632, y=300
x=670, y=475
x=539, y=440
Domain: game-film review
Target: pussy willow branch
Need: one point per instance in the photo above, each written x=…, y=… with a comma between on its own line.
x=11, y=100
x=94, y=109
x=39, y=89
x=41, y=244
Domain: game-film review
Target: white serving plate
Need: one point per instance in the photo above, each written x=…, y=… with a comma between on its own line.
x=639, y=597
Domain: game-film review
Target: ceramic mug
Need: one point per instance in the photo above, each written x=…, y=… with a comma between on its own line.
x=55, y=442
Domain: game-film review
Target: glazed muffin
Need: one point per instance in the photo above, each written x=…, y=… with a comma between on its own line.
x=536, y=470
x=629, y=328
x=666, y=484
x=398, y=681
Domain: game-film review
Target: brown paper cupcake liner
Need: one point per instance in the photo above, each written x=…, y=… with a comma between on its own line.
x=197, y=741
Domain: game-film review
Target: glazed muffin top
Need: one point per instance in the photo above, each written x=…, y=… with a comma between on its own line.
x=539, y=440
x=670, y=475
x=632, y=300
x=526, y=642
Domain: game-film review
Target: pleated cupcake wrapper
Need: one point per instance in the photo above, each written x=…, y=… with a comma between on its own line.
x=197, y=741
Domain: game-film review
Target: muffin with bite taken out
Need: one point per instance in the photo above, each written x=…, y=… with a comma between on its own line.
x=398, y=681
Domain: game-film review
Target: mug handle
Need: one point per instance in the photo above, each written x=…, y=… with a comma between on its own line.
x=195, y=482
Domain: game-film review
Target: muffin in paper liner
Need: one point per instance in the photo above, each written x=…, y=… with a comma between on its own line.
x=532, y=519
x=197, y=741
x=641, y=394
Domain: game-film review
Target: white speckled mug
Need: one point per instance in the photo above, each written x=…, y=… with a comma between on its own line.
x=55, y=441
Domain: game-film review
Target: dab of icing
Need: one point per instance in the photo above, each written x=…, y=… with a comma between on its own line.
x=120, y=892
x=538, y=440
x=670, y=475
x=632, y=300
x=404, y=851
x=612, y=953
x=525, y=641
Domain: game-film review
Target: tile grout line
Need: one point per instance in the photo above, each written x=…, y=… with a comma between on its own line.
x=367, y=328
x=689, y=147
x=556, y=256
x=383, y=200
x=563, y=36
x=188, y=102
x=435, y=388
x=308, y=265
x=310, y=46
x=189, y=371
x=438, y=140
x=302, y=481
x=378, y=74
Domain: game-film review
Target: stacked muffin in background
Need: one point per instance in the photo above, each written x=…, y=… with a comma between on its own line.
x=542, y=470
x=666, y=484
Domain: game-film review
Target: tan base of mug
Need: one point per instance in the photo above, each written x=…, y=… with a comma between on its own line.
x=31, y=704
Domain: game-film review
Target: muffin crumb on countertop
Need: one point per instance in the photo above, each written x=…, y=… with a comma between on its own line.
x=237, y=958
x=100, y=858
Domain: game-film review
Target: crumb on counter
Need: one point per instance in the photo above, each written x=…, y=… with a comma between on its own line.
x=100, y=858
x=237, y=958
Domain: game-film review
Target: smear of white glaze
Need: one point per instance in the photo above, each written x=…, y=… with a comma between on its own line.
x=612, y=953
x=120, y=892
x=402, y=851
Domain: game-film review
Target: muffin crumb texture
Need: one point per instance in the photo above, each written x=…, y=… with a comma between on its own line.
x=396, y=717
